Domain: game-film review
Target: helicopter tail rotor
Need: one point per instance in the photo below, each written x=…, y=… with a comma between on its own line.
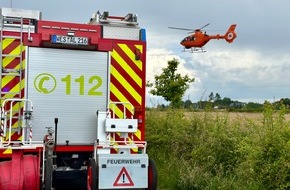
x=231, y=34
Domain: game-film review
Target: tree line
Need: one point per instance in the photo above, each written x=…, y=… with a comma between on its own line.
x=219, y=103
x=172, y=86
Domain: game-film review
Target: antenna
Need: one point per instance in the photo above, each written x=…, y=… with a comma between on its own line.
x=202, y=95
x=200, y=100
x=10, y=3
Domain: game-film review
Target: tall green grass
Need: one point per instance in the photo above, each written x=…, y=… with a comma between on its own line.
x=210, y=151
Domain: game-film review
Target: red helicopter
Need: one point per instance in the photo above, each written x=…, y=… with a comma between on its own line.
x=199, y=38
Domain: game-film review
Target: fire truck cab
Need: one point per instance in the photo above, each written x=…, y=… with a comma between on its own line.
x=73, y=103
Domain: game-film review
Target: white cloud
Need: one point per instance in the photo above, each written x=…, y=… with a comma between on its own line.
x=242, y=75
x=157, y=59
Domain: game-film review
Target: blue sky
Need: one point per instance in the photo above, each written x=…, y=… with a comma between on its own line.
x=255, y=67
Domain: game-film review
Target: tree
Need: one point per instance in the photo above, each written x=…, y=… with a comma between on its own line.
x=169, y=84
x=252, y=106
x=188, y=104
x=211, y=97
x=285, y=101
x=217, y=97
x=226, y=101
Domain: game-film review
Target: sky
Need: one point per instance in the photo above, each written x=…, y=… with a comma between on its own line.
x=254, y=68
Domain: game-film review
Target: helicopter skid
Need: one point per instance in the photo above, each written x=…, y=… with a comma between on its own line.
x=194, y=50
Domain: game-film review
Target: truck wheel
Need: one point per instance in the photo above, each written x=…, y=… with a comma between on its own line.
x=92, y=175
x=152, y=175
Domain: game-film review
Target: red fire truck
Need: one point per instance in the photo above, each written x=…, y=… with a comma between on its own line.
x=73, y=103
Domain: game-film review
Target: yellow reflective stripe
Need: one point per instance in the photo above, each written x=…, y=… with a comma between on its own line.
x=8, y=151
x=17, y=86
x=15, y=52
x=15, y=89
x=15, y=125
x=118, y=112
x=131, y=55
x=140, y=47
x=23, y=64
x=20, y=138
x=138, y=134
x=6, y=80
x=120, y=97
x=127, y=68
x=6, y=42
x=124, y=82
x=126, y=85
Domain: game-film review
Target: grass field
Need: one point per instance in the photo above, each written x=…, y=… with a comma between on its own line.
x=237, y=116
x=220, y=150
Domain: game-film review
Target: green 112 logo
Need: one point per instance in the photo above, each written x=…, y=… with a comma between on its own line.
x=95, y=82
x=46, y=83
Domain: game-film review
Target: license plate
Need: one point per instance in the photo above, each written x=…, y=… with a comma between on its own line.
x=71, y=40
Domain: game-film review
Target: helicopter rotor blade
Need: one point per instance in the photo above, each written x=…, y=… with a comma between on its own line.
x=176, y=28
x=188, y=29
x=204, y=26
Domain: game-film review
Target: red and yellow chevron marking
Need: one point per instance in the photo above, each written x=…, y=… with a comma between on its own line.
x=127, y=79
x=11, y=84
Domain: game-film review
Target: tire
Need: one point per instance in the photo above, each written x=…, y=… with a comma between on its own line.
x=92, y=175
x=152, y=175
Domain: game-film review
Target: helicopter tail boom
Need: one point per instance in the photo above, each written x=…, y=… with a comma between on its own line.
x=231, y=34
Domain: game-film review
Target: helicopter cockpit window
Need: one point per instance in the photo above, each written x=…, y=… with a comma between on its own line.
x=188, y=38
